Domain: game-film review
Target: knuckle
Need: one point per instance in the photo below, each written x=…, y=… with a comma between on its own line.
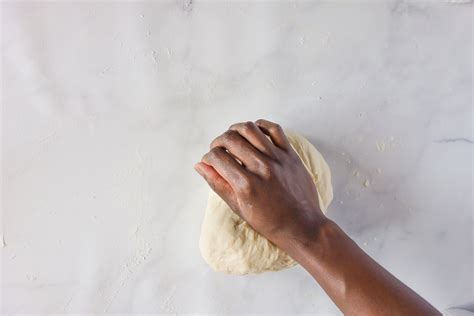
x=215, y=142
x=229, y=135
x=276, y=128
x=247, y=126
x=205, y=157
x=214, y=153
x=233, y=126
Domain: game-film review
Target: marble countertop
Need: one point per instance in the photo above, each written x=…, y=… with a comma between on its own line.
x=107, y=106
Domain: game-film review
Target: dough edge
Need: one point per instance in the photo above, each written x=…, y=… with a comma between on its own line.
x=228, y=244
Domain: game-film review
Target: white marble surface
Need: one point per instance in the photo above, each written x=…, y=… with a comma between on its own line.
x=107, y=105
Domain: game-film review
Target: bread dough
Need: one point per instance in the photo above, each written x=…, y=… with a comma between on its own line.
x=228, y=244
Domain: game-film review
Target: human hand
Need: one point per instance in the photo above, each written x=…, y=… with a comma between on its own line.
x=264, y=182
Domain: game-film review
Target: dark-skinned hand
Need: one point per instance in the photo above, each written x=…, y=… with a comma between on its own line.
x=256, y=171
x=264, y=181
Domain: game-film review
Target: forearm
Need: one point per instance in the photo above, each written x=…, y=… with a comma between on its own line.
x=256, y=171
x=355, y=282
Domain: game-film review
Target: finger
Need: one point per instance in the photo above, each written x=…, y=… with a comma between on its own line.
x=240, y=149
x=217, y=183
x=275, y=132
x=226, y=166
x=255, y=136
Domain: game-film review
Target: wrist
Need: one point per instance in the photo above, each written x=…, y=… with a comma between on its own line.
x=310, y=242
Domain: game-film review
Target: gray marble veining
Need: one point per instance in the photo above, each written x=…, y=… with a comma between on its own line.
x=107, y=106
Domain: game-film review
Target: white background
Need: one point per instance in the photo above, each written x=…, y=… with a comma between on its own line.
x=106, y=106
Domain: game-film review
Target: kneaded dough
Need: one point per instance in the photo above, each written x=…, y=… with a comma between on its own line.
x=228, y=244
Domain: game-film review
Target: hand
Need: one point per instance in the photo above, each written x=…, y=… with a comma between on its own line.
x=267, y=185
x=264, y=182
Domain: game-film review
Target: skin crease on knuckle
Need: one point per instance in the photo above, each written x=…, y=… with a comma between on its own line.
x=229, y=136
x=214, y=154
x=268, y=124
x=276, y=129
x=214, y=157
x=205, y=158
x=218, y=141
x=248, y=127
x=214, y=142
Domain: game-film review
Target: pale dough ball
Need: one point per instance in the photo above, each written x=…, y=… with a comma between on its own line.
x=230, y=245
